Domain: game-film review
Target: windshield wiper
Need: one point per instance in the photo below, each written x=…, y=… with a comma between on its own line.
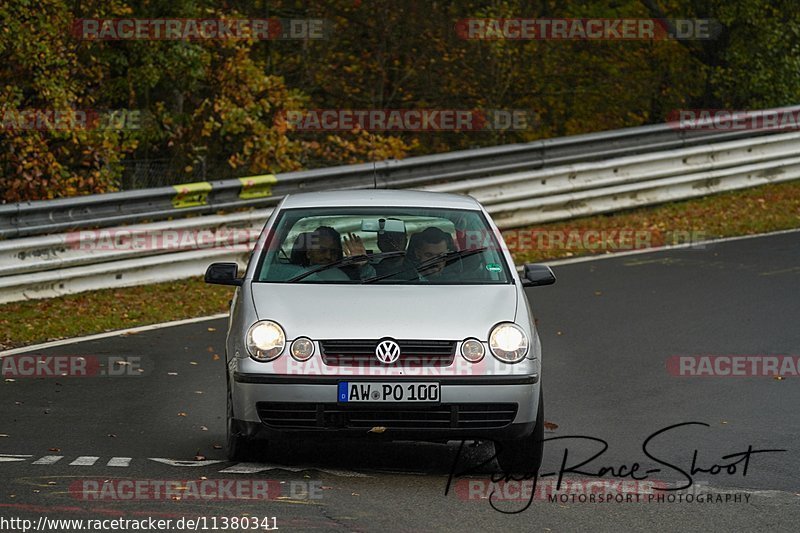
x=446, y=257
x=344, y=261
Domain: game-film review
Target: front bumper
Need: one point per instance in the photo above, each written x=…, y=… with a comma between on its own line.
x=467, y=406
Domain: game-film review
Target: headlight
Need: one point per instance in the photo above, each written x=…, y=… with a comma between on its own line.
x=472, y=350
x=302, y=348
x=508, y=343
x=265, y=340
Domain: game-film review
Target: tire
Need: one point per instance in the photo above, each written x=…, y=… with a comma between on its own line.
x=524, y=455
x=239, y=446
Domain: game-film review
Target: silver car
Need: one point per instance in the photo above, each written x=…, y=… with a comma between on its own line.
x=383, y=314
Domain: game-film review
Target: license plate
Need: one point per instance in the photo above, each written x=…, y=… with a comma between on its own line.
x=353, y=392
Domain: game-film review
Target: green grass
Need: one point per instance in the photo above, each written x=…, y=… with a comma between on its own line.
x=35, y=321
x=758, y=210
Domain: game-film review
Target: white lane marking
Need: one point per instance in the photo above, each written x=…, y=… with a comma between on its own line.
x=253, y=468
x=107, y=334
x=568, y=261
x=84, y=460
x=177, y=462
x=119, y=461
x=11, y=458
x=48, y=460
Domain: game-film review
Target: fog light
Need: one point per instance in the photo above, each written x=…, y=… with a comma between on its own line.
x=302, y=348
x=472, y=350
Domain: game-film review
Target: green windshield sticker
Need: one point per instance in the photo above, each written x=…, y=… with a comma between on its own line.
x=493, y=267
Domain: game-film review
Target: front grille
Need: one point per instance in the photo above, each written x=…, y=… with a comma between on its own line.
x=412, y=352
x=335, y=416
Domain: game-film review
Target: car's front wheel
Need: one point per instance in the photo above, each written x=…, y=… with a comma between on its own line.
x=524, y=455
x=239, y=445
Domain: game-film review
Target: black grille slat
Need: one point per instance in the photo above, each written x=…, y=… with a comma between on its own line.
x=359, y=352
x=399, y=416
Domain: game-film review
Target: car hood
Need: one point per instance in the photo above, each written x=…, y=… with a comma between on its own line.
x=330, y=311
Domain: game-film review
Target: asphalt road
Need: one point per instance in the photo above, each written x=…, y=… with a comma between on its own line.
x=608, y=328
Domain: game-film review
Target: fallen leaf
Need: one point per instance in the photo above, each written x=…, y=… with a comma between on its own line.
x=203, y=428
x=598, y=293
x=192, y=362
x=3, y=435
x=54, y=449
x=778, y=378
x=355, y=494
x=199, y=457
x=549, y=425
x=218, y=446
x=559, y=333
x=377, y=429
x=111, y=435
x=181, y=414
x=215, y=358
x=121, y=363
x=198, y=392
x=9, y=380
x=172, y=373
x=51, y=482
x=212, y=329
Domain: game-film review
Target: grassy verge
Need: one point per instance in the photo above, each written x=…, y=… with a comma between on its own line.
x=35, y=321
x=752, y=211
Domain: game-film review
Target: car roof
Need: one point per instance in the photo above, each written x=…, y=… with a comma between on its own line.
x=380, y=197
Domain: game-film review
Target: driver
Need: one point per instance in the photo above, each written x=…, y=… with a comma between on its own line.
x=430, y=243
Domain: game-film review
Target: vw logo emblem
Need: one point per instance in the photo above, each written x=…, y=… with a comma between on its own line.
x=387, y=351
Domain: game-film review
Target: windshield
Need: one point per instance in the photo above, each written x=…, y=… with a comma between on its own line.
x=382, y=245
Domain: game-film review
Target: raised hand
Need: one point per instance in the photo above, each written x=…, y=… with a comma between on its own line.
x=353, y=245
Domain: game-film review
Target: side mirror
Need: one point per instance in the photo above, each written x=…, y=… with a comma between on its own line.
x=223, y=274
x=535, y=275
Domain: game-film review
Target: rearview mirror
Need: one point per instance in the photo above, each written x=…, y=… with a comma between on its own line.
x=383, y=224
x=536, y=275
x=223, y=274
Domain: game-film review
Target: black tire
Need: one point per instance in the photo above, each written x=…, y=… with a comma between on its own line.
x=524, y=455
x=239, y=445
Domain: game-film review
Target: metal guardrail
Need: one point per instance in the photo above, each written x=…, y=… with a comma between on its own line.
x=131, y=207
x=43, y=266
